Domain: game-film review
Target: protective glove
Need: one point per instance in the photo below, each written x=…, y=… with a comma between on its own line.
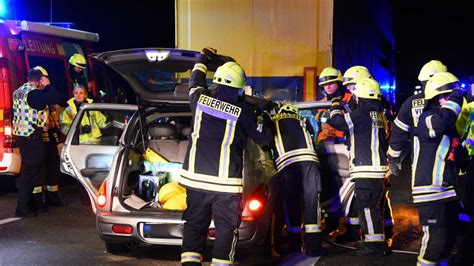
x=394, y=168
x=209, y=53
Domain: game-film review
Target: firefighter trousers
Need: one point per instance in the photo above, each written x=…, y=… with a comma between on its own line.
x=300, y=191
x=51, y=166
x=368, y=193
x=32, y=152
x=225, y=210
x=439, y=223
x=465, y=255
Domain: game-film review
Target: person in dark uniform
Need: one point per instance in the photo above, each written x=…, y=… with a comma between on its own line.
x=212, y=170
x=434, y=185
x=30, y=116
x=298, y=170
x=368, y=161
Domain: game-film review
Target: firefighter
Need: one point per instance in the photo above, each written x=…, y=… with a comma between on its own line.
x=433, y=188
x=298, y=167
x=331, y=80
x=349, y=227
x=212, y=170
x=30, y=115
x=465, y=126
x=367, y=155
x=78, y=64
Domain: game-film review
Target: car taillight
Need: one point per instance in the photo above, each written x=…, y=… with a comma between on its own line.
x=257, y=201
x=8, y=140
x=102, y=196
x=122, y=229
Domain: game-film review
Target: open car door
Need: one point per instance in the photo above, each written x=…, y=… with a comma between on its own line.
x=90, y=156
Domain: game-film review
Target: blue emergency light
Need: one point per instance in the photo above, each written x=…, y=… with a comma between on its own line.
x=3, y=9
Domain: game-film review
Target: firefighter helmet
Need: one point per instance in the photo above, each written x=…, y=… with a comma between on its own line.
x=431, y=68
x=43, y=71
x=78, y=60
x=354, y=74
x=289, y=108
x=177, y=202
x=368, y=88
x=328, y=75
x=440, y=83
x=230, y=74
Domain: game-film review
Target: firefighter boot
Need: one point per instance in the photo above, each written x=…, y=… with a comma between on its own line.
x=54, y=200
x=313, y=246
x=294, y=243
x=38, y=203
x=352, y=234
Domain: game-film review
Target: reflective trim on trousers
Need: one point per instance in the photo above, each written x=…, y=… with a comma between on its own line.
x=54, y=188
x=191, y=257
x=374, y=238
x=37, y=190
x=312, y=228
x=218, y=262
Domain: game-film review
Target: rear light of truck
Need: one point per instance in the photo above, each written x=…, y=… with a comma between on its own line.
x=102, y=196
x=122, y=229
x=8, y=139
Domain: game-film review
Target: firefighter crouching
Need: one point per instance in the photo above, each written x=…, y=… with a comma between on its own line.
x=213, y=166
x=436, y=175
x=30, y=116
x=368, y=162
x=298, y=171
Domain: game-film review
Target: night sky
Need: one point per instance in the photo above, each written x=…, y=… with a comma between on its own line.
x=423, y=30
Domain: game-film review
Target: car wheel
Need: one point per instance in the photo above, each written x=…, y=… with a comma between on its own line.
x=119, y=248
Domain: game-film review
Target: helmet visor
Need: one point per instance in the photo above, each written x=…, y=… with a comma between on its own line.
x=327, y=78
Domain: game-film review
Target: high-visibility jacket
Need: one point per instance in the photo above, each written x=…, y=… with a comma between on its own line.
x=214, y=158
x=26, y=118
x=465, y=126
x=292, y=140
x=368, y=143
x=95, y=119
x=328, y=134
x=435, y=174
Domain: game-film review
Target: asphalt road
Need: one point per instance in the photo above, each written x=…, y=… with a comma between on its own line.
x=67, y=236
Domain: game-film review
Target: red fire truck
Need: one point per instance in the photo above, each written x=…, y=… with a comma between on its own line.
x=23, y=45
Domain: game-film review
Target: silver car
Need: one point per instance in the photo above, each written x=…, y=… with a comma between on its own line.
x=112, y=169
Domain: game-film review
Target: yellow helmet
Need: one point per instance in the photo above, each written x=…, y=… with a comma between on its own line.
x=368, y=88
x=78, y=60
x=168, y=191
x=431, y=68
x=290, y=108
x=230, y=74
x=43, y=71
x=328, y=75
x=354, y=74
x=440, y=83
x=177, y=202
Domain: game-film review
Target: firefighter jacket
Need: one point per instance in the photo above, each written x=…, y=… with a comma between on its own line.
x=94, y=119
x=214, y=158
x=436, y=173
x=405, y=127
x=465, y=126
x=25, y=118
x=292, y=140
x=368, y=145
x=328, y=134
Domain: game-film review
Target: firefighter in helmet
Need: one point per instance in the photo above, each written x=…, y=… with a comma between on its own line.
x=298, y=169
x=212, y=170
x=435, y=177
x=78, y=64
x=367, y=155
